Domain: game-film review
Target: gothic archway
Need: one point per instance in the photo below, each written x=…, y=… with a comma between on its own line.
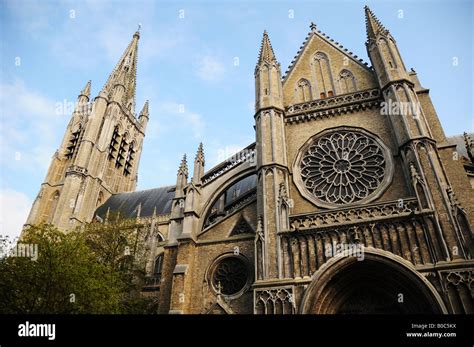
x=381, y=283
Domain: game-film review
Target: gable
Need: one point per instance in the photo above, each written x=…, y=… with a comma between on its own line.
x=323, y=69
x=241, y=227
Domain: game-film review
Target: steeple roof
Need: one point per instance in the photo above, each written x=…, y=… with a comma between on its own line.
x=125, y=72
x=372, y=24
x=266, y=50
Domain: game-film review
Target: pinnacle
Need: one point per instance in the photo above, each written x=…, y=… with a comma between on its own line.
x=372, y=24
x=144, y=111
x=266, y=50
x=200, y=153
x=86, y=91
x=183, y=167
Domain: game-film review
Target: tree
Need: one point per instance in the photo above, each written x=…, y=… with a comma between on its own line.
x=97, y=268
x=120, y=245
x=65, y=278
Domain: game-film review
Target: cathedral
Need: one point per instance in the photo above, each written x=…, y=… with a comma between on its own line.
x=350, y=200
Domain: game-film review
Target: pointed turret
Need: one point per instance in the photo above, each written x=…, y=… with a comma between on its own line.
x=83, y=98
x=266, y=50
x=268, y=77
x=125, y=72
x=183, y=167
x=383, y=52
x=86, y=91
x=198, y=165
x=270, y=134
x=182, y=178
x=373, y=25
x=144, y=115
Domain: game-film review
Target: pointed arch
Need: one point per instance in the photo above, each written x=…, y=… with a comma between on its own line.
x=158, y=265
x=303, y=90
x=347, y=81
x=387, y=53
x=74, y=141
x=129, y=158
x=324, y=78
x=159, y=237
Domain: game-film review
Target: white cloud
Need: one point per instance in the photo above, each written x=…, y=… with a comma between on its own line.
x=14, y=209
x=172, y=116
x=29, y=126
x=210, y=69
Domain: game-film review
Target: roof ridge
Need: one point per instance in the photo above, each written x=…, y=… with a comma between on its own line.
x=146, y=190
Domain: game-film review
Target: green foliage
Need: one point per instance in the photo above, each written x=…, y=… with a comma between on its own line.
x=98, y=268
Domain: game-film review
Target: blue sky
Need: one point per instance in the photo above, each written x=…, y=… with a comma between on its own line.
x=187, y=56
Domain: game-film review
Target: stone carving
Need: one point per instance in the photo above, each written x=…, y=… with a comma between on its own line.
x=391, y=209
x=457, y=277
x=304, y=251
x=343, y=167
x=274, y=301
x=242, y=227
x=336, y=101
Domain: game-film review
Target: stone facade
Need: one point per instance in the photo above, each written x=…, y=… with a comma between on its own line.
x=351, y=199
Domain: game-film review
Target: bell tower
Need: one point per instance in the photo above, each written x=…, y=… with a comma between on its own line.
x=100, y=151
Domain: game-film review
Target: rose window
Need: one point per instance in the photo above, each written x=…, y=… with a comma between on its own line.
x=230, y=275
x=343, y=167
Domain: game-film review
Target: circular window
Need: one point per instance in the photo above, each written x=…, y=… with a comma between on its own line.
x=343, y=166
x=230, y=276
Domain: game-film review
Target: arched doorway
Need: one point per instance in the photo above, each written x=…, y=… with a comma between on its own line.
x=382, y=283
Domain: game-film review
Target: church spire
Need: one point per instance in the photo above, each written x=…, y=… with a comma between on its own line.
x=126, y=72
x=372, y=24
x=266, y=50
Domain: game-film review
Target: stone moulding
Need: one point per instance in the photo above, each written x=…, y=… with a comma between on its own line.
x=339, y=104
x=244, y=155
x=354, y=215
